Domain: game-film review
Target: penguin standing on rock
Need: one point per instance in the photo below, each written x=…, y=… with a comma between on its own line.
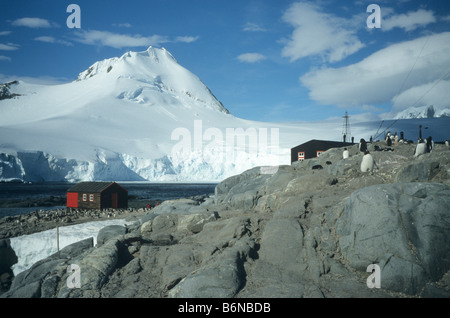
x=430, y=144
x=362, y=145
x=421, y=149
x=367, y=162
x=345, y=154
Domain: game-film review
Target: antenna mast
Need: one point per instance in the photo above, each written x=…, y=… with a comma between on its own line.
x=346, y=128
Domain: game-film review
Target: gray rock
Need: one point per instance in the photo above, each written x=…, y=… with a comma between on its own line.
x=344, y=166
x=133, y=267
x=242, y=190
x=281, y=244
x=178, y=206
x=418, y=171
x=109, y=232
x=35, y=273
x=95, y=268
x=402, y=227
x=181, y=261
x=31, y=290
x=194, y=223
x=222, y=232
x=224, y=187
x=221, y=278
x=7, y=256
x=210, y=282
x=42, y=274
x=160, y=229
x=284, y=290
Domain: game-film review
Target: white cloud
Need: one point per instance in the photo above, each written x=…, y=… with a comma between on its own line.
x=186, y=39
x=380, y=77
x=409, y=21
x=115, y=40
x=8, y=47
x=251, y=57
x=4, y=58
x=433, y=93
x=253, y=27
x=123, y=25
x=5, y=33
x=50, y=39
x=119, y=41
x=33, y=23
x=370, y=108
x=319, y=34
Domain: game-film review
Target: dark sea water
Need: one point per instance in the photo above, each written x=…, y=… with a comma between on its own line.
x=136, y=190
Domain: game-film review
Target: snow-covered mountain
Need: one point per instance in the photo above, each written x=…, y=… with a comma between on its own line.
x=422, y=112
x=139, y=117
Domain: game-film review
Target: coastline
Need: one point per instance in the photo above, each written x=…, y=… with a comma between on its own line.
x=300, y=232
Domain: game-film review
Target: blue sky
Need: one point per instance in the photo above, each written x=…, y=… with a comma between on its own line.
x=265, y=60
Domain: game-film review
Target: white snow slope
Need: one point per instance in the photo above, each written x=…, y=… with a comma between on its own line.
x=34, y=247
x=140, y=117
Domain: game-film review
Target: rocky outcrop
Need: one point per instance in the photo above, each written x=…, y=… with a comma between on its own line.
x=7, y=258
x=45, y=278
x=5, y=90
x=300, y=232
x=402, y=227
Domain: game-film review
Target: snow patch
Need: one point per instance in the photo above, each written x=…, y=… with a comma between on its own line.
x=35, y=247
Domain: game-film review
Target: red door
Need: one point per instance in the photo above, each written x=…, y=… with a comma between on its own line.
x=114, y=200
x=72, y=200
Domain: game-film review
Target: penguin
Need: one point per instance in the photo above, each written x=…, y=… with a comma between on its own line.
x=446, y=143
x=389, y=141
x=421, y=149
x=362, y=145
x=345, y=154
x=430, y=144
x=367, y=163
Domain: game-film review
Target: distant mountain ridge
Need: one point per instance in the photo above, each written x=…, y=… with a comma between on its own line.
x=429, y=111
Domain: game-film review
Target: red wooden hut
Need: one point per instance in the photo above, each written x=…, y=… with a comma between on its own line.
x=97, y=195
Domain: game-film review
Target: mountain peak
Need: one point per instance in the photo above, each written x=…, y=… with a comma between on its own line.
x=131, y=62
x=141, y=76
x=159, y=54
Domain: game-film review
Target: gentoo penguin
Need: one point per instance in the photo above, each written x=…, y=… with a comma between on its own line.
x=421, y=149
x=362, y=145
x=447, y=143
x=388, y=141
x=345, y=154
x=367, y=163
x=430, y=144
